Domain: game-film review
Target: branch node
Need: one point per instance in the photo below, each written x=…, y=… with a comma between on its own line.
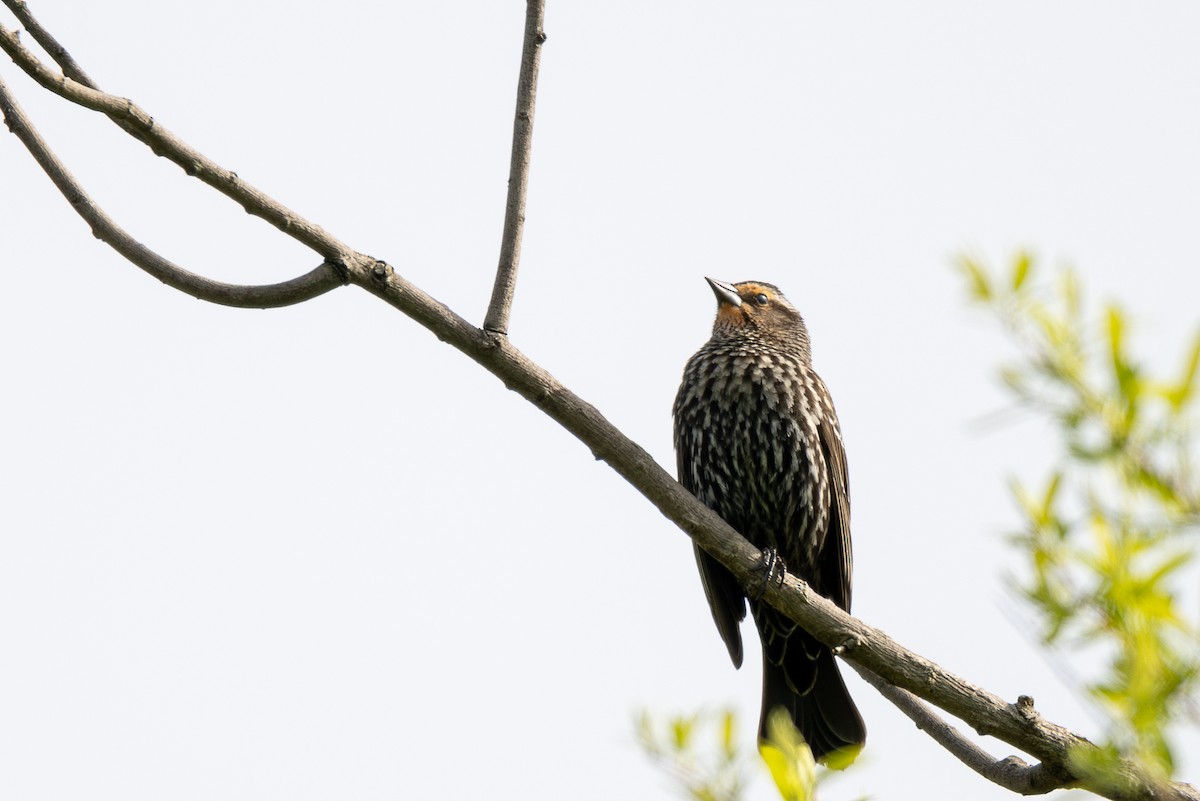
x=382, y=270
x=848, y=644
x=1024, y=707
x=339, y=267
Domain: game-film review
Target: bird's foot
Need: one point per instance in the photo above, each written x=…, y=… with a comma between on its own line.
x=771, y=568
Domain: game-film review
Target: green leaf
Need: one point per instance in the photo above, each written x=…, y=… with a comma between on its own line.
x=728, y=744
x=1046, y=514
x=1170, y=566
x=788, y=758
x=1179, y=395
x=980, y=287
x=1116, y=337
x=1021, y=269
x=681, y=732
x=1068, y=288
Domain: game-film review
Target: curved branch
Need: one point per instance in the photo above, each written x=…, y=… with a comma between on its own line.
x=162, y=142
x=518, y=172
x=1011, y=773
x=310, y=285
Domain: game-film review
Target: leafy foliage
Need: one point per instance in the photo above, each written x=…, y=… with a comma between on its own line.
x=699, y=751
x=789, y=758
x=1110, y=536
x=701, y=754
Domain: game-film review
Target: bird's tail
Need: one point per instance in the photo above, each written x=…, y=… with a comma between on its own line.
x=801, y=675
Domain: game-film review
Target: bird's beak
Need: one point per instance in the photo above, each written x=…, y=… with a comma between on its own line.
x=726, y=294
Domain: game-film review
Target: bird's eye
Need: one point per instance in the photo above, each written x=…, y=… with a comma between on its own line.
x=761, y=299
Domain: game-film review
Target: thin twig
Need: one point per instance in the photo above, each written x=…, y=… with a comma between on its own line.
x=1011, y=773
x=496, y=320
x=317, y=282
x=162, y=142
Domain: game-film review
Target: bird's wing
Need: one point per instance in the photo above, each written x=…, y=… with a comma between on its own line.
x=725, y=596
x=726, y=600
x=837, y=560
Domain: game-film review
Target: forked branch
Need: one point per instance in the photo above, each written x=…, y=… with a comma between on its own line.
x=1011, y=773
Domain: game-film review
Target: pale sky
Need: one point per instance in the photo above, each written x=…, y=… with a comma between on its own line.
x=313, y=553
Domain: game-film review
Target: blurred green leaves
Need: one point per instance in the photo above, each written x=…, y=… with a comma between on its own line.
x=1110, y=537
x=788, y=758
x=699, y=751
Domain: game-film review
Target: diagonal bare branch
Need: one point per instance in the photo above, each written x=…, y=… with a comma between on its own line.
x=317, y=282
x=496, y=320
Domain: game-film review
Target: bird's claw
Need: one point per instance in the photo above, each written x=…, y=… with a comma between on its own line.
x=771, y=568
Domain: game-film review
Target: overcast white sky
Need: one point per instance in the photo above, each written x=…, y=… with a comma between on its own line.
x=312, y=553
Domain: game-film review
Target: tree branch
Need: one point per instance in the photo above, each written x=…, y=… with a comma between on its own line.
x=496, y=320
x=1017, y=724
x=314, y=283
x=1011, y=773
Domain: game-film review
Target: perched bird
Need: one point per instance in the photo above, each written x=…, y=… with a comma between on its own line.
x=758, y=442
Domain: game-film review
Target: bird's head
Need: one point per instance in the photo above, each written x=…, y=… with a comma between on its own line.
x=757, y=310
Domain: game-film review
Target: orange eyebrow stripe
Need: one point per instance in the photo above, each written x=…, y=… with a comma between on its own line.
x=754, y=289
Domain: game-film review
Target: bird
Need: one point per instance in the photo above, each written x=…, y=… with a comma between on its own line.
x=758, y=442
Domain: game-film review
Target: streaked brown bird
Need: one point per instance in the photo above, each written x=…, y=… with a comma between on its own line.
x=758, y=441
